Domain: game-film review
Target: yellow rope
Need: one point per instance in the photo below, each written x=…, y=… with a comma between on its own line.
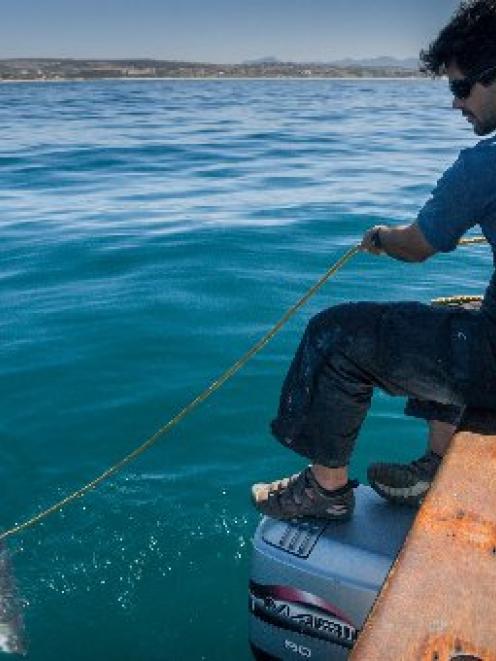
x=461, y=300
x=471, y=240
x=456, y=300
x=215, y=385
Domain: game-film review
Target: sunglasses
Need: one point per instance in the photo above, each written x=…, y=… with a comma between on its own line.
x=462, y=87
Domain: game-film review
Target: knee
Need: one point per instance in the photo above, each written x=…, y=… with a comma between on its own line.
x=326, y=328
x=343, y=325
x=334, y=314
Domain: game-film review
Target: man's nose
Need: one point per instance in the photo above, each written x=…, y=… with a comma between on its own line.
x=457, y=103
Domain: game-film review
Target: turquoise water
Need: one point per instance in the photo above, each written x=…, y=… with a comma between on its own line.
x=151, y=232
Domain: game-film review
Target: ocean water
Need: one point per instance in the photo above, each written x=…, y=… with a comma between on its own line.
x=151, y=232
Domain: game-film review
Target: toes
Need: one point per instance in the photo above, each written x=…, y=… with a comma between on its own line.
x=279, y=484
x=260, y=492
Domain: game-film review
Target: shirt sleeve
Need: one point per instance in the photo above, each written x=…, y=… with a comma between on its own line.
x=450, y=211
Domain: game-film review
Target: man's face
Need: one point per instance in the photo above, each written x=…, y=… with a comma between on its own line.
x=480, y=107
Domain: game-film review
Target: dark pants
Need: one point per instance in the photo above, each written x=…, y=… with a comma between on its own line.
x=431, y=354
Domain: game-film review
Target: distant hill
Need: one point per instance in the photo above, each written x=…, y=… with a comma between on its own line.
x=262, y=60
x=411, y=63
x=382, y=62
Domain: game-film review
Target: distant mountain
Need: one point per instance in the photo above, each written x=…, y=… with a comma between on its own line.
x=379, y=62
x=263, y=60
x=383, y=62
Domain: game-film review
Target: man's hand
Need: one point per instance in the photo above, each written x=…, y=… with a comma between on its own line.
x=372, y=240
x=406, y=242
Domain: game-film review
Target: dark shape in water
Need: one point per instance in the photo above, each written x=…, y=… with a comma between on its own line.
x=12, y=639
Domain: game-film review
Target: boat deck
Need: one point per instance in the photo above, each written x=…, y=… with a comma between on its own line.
x=439, y=600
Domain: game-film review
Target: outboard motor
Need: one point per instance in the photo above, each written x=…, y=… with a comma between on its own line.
x=313, y=583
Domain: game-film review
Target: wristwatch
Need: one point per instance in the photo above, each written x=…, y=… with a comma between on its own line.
x=376, y=239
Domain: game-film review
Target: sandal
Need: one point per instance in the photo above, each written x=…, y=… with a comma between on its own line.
x=301, y=496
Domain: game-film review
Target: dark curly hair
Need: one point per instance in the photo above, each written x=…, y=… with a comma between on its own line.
x=469, y=40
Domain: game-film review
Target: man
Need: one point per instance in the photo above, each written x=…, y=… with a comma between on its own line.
x=442, y=358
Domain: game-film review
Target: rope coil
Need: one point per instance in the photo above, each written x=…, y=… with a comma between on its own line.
x=205, y=394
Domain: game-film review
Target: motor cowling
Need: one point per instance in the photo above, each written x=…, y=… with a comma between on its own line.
x=313, y=583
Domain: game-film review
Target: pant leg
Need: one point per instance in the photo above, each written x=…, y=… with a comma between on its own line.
x=436, y=354
x=450, y=414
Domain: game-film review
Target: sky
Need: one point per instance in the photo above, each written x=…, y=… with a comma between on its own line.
x=220, y=31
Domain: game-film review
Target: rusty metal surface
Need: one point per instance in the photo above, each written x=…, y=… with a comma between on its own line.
x=439, y=601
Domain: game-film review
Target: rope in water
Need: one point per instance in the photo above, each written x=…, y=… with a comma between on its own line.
x=205, y=394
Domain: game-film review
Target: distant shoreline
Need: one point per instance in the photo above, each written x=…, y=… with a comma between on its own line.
x=210, y=78
x=50, y=69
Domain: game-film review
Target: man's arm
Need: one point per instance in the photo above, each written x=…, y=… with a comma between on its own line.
x=406, y=243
